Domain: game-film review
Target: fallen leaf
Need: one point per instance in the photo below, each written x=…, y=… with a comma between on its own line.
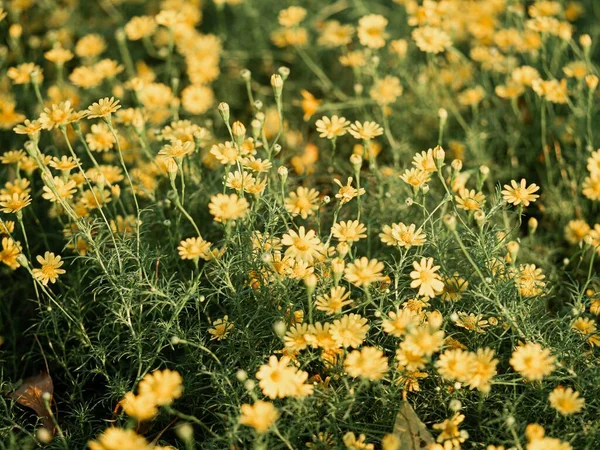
x=413, y=433
x=30, y=394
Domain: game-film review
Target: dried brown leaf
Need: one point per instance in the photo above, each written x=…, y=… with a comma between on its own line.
x=30, y=394
x=413, y=433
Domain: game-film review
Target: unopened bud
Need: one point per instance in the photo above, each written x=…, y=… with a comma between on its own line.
x=279, y=328
x=239, y=131
x=224, y=111
x=277, y=84
x=310, y=281
x=450, y=221
x=456, y=165
x=284, y=72
x=480, y=218
x=585, y=40
x=356, y=160
x=592, y=82
x=43, y=435
x=532, y=223
x=15, y=31
x=185, y=432
x=439, y=154
x=245, y=74
x=513, y=250
x=443, y=115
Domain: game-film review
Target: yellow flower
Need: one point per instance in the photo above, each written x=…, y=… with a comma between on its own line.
x=424, y=340
x=470, y=200
x=552, y=90
x=309, y=104
x=400, y=235
x=532, y=361
x=303, y=202
x=576, y=231
x=220, y=328
x=260, y=416
x=334, y=301
x=119, y=439
x=365, y=130
x=228, y=207
x=520, y=193
x=140, y=407
x=454, y=286
x=484, y=370
x=90, y=46
x=59, y=190
x=22, y=74
x=292, y=16
x=566, y=401
x=410, y=358
x=386, y=90
x=333, y=127
x=347, y=192
x=431, y=39
x=399, y=322
x=368, y=362
x=194, y=249
x=103, y=108
x=349, y=231
x=364, y=271
x=303, y=245
x=164, y=385
x=139, y=27
x=415, y=177
x=425, y=278
x=449, y=430
x=59, y=55
x=371, y=30
x=350, y=330
x=197, y=99
x=58, y=115
x=15, y=202
x=456, y=365
x=297, y=337
x=276, y=379
x=351, y=442
x=10, y=250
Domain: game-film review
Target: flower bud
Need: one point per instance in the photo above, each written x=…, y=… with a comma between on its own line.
x=443, y=115
x=245, y=74
x=585, y=40
x=279, y=328
x=276, y=149
x=439, y=154
x=592, y=82
x=457, y=165
x=185, y=432
x=310, y=281
x=277, y=84
x=224, y=111
x=239, y=131
x=43, y=435
x=450, y=221
x=15, y=31
x=356, y=160
x=284, y=72
x=480, y=218
x=532, y=223
x=256, y=126
x=513, y=250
